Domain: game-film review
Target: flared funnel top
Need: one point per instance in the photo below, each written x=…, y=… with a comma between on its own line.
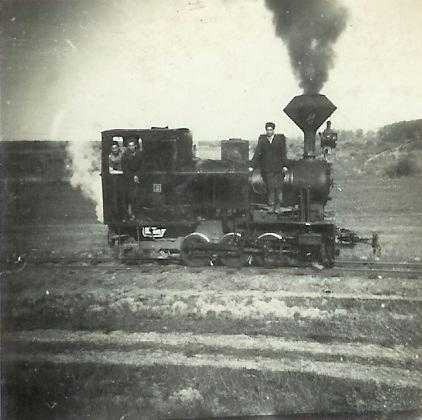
x=309, y=111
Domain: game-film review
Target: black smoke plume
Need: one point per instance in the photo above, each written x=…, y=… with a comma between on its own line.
x=310, y=29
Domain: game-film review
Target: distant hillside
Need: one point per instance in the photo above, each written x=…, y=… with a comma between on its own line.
x=401, y=132
x=394, y=150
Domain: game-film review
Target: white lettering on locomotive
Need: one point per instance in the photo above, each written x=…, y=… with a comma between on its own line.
x=153, y=232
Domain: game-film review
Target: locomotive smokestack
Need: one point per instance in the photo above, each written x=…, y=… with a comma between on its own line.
x=308, y=112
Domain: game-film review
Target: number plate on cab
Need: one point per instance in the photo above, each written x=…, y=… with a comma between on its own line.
x=153, y=232
x=156, y=188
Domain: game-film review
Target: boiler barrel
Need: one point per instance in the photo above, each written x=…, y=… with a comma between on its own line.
x=312, y=174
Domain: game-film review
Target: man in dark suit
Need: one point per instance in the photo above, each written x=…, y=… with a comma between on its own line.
x=132, y=161
x=270, y=153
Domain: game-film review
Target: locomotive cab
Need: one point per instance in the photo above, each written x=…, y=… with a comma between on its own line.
x=175, y=191
x=164, y=151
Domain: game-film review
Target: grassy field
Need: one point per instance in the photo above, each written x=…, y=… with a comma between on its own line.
x=164, y=341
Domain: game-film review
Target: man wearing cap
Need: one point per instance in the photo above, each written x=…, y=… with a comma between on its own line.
x=270, y=153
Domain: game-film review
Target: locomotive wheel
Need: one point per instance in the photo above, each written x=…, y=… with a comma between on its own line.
x=271, y=245
x=236, y=258
x=194, y=250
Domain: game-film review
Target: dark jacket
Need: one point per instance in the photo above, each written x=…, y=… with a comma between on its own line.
x=131, y=164
x=270, y=156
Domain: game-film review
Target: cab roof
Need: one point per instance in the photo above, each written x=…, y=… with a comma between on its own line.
x=140, y=131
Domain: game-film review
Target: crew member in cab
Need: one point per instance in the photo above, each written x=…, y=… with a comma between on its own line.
x=269, y=156
x=328, y=138
x=118, y=182
x=328, y=130
x=131, y=166
x=115, y=159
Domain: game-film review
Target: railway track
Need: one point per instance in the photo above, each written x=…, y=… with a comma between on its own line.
x=380, y=267
x=105, y=333
x=379, y=264
x=341, y=268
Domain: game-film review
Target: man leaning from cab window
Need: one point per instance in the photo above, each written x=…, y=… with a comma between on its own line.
x=115, y=159
x=131, y=166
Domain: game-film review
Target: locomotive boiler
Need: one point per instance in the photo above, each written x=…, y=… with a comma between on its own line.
x=207, y=212
x=296, y=233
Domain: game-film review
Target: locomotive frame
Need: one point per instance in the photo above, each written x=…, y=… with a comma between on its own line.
x=181, y=197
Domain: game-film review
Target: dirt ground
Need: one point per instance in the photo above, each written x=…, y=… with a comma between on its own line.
x=165, y=341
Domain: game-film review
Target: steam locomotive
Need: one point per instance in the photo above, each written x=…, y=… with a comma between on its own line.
x=206, y=212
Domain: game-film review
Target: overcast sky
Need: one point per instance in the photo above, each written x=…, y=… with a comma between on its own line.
x=73, y=68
